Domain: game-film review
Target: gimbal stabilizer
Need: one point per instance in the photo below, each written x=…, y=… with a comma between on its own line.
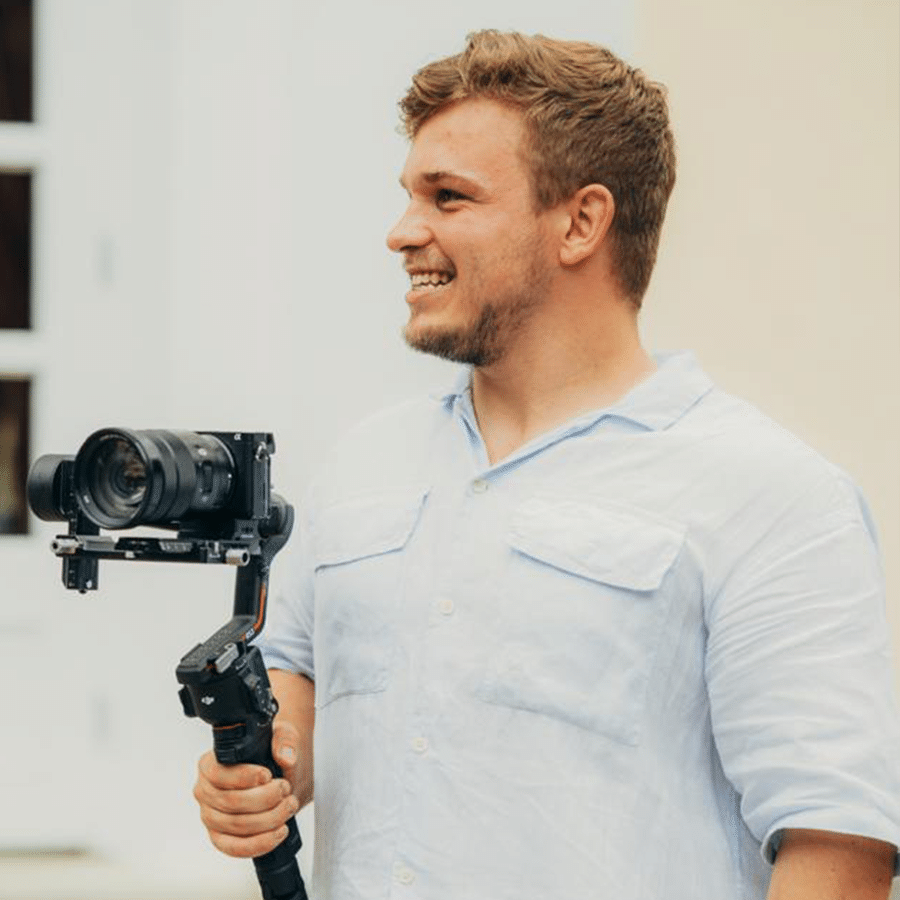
x=213, y=488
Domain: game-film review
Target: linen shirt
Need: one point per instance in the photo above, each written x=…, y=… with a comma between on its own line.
x=616, y=664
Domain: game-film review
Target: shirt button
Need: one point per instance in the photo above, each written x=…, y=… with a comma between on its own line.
x=479, y=486
x=420, y=744
x=446, y=606
x=404, y=875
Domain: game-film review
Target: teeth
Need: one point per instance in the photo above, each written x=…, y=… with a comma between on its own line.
x=421, y=279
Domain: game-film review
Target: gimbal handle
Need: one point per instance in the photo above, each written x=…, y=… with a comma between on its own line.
x=225, y=683
x=238, y=703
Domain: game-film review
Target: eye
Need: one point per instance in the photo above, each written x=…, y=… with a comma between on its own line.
x=445, y=195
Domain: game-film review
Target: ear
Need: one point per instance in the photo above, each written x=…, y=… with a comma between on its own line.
x=590, y=214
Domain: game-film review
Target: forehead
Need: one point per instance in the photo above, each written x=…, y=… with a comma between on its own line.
x=478, y=139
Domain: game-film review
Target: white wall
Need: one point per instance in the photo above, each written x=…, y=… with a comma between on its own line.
x=97, y=754
x=98, y=271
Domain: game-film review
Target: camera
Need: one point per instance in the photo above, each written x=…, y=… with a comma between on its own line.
x=122, y=478
x=211, y=487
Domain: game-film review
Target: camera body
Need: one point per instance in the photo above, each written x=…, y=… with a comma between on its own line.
x=249, y=486
x=208, y=477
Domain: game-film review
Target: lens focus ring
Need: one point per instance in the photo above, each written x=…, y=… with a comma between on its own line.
x=126, y=478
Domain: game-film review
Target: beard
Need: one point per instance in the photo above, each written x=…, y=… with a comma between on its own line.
x=485, y=340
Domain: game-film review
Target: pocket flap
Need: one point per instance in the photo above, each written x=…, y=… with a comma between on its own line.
x=614, y=545
x=374, y=523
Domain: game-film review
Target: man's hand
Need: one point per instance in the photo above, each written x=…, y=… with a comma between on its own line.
x=825, y=865
x=243, y=807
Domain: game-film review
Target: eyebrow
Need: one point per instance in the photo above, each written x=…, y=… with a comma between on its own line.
x=443, y=175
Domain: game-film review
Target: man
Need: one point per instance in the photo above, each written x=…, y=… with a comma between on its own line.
x=583, y=626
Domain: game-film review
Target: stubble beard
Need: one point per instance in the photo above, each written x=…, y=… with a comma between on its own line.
x=485, y=341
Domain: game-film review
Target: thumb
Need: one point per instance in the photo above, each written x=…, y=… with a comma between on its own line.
x=285, y=744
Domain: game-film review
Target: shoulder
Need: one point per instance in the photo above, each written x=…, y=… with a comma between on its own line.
x=761, y=457
x=762, y=499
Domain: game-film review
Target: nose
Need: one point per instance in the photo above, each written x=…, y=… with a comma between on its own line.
x=410, y=232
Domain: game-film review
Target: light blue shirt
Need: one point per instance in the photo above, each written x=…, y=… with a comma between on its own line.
x=614, y=666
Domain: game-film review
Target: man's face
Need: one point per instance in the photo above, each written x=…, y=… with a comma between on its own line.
x=477, y=253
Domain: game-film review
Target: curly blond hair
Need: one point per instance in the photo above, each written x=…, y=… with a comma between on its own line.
x=590, y=118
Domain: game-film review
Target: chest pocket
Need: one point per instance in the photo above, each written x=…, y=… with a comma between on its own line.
x=359, y=577
x=582, y=611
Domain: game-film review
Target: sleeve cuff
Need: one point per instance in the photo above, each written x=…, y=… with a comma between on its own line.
x=273, y=658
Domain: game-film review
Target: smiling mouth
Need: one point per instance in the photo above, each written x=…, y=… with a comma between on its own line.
x=429, y=281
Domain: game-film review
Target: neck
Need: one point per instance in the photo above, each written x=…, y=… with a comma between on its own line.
x=551, y=374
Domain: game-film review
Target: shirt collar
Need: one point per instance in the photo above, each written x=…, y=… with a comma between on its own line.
x=656, y=403
x=459, y=387
x=661, y=400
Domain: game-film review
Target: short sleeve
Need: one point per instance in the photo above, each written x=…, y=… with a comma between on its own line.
x=287, y=638
x=800, y=677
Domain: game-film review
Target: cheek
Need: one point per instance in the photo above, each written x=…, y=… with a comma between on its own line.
x=487, y=260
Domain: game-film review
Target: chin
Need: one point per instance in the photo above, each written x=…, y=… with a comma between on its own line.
x=419, y=332
x=422, y=338
x=457, y=346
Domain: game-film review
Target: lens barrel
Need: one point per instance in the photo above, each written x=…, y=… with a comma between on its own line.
x=125, y=478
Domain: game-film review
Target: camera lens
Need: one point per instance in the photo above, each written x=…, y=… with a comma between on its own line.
x=117, y=479
x=125, y=478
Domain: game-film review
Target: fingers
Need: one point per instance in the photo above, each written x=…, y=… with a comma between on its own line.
x=249, y=824
x=249, y=834
x=242, y=801
x=238, y=790
x=232, y=777
x=243, y=808
x=244, y=848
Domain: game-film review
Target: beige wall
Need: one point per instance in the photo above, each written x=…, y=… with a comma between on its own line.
x=780, y=260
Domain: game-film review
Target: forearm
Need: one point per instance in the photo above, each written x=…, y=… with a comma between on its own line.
x=822, y=865
x=296, y=706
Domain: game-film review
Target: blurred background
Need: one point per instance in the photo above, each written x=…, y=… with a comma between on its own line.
x=193, y=201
